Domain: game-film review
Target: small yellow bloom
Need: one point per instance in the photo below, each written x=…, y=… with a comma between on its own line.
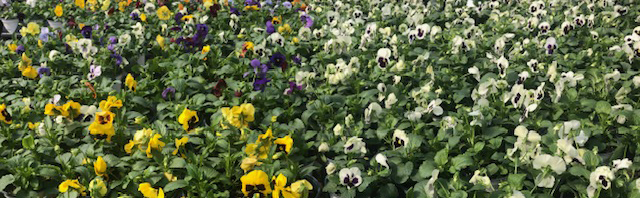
x=163, y=13
x=100, y=167
x=160, y=41
x=206, y=49
x=253, y=7
x=33, y=126
x=179, y=143
x=4, y=115
x=280, y=189
x=12, y=47
x=249, y=162
x=188, y=119
x=81, y=25
x=276, y=20
x=30, y=72
x=274, y=118
x=122, y=6
x=154, y=144
x=58, y=10
x=187, y=17
x=150, y=192
x=284, y=144
x=296, y=40
x=105, y=5
x=129, y=146
x=256, y=182
x=102, y=126
x=143, y=17
x=25, y=62
x=98, y=187
x=40, y=44
x=64, y=186
x=111, y=102
x=80, y=3
x=130, y=82
x=170, y=176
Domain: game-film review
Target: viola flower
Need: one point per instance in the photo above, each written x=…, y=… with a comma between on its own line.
x=213, y=10
x=249, y=162
x=30, y=72
x=64, y=186
x=260, y=84
x=284, y=144
x=98, y=188
x=180, y=143
x=279, y=60
x=382, y=160
x=150, y=192
x=350, y=177
x=383, y=57
x=111, y=102
x=482, y=179
x=400, y=138
x=163, y=13
x=102, y=126
x=130, y=82
x=601, y=178
x=355, y=145
x=86, y=31
x=44, y=71
x=20, y=49
x=94, y=72
x=87, y=113
x=44, y=34
x=293, y=87
x=280, y=189
x=188, y=119
x=270, y=28
x=4, y=115
x=178, y=18
x=100, y=167
x=154, y=144
x=168, y=92
x=161, y=41
x=550, y=45
x=58, y=10
x=255, y=183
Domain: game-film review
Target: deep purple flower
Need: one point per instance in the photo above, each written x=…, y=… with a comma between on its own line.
x=213, y=10
x=113, y=40
x=270, y=28
x=167, y=91
x=279, y=60
x=86, y=31
x=287, y=5
x=44, y=34
x=20, y=49
x=176, y=28
x=293, y=87
x=178, y=18
x=297, y=59
x=259, y=69
x=259, y=84
x=42, y=71
x=235, y=11
x=117, y=57
x=67, y=49
x=111, y=47
x=201, y=32
x=134, y=16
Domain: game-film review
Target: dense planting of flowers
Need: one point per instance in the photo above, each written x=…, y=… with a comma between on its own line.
x=276, y=98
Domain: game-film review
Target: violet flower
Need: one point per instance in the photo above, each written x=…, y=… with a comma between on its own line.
x=287, y=5
x=297, y=60
x=260, y=84
x=94, y=72
x=113, y=40
x=293, y=87
x=117, y=57
x=279, y=60
x=86, y=31
x=44, y=34
x=178, y=18
x=134, y=16
x=270, y=28
x=169, y=91
x=42, y=71
x=20, y=49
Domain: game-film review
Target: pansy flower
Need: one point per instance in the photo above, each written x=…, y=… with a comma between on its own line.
x=188, y=119
x=400, y=138
x=98, y=187
x=163, y=13
x=180, y=143
x=100, y=167
x=168, y=92
x=255, y=183
x=154, y=144
x=94, y=72
x=284, y=144
x=75, y=184
x=102, y=126
x=383, y=55
x=279, y=60
x=4, y=115
x=131, y=82
x=150, y=192
x=350, y=177
x=111, y=102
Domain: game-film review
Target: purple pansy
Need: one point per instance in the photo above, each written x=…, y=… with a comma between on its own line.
x=86, y=31
x=169, y=91
x=94, y=72
x=42, y=71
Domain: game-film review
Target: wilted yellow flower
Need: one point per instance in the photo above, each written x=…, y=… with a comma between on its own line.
x=150, y=192
x=180, y=142
x=130, y=82
x=64, y=186
x=111, y=102
x=249, y=162
x=24, y=62
x=100, y=167
x=170, y=176
x=58, y=10
x=163, y=13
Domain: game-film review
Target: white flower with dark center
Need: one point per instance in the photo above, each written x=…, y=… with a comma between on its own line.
x=522, y=77
x=434, y=106
x=566, y=27
x=621, y=164
x=544, y=27
x=423, y=30
x=502, y=63
x=550, y=45
x=350, y=177
x=400, y=138
x=601, y=177
x=276, y=39
x=383, y=57
x=430, y=187
x=355, y=145
x=382, y=160
x=594, y=34
x=532, y=23
x=86, y=48
x=87, y=113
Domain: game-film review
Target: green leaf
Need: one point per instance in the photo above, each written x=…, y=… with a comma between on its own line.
x=425, y=169
x=579, y=171
x=591, y=159
x=6, y=180
x=494, y=131
x=28, y=142
x=178, y=163
x=459, y=162
x=388, y=190
x=175, y=185
x=515, y=180
x=442, y=157
x=603, y=107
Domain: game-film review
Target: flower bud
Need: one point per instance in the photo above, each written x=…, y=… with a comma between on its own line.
x=324, y=147
x=331, y=168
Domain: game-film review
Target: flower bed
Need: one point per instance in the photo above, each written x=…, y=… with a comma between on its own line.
x=125, y=98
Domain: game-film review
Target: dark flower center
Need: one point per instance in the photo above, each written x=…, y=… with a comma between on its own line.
x=104, y=119
x=398, y=142
x=350, y=147
x=281, y=147
x=6, y=115
x=383, y=62
x=191, y=123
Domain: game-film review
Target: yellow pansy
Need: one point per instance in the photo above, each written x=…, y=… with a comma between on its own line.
x=12, y=47
x=187, y=17
x=180, y=142
x=30, y=72
x=105, y=5
x=163, y=13
x=284, y=29
x=284, y=144
x=64, y=186
x=295, y=40
x=98, y=187
x=206, y=49
x=255, y=183
x=280, y=189
x=301, y=187
x=253, y=7
x=248, y=46
x=261, y=147
x=249, y=162
x=150, y=192
x=130, y=82
x=4, y=115
x=160, y=41
x=111, y=102
x=40, y=44
x=122, y=6
x=33, y=126
x=154, y=144
x=81, y=25
x=143, y=17
x=188, y=119
x=58, y=10
x=102, y=126
x=276, y=20
x=100, y=167
x=24, y=62
x=80, y=3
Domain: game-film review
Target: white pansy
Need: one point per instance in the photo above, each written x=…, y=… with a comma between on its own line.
x=571, y=153
x=556, y=163
x=355, y=145
x=42, y=132
x=330, y=168
x=337, y=130
x=400, y=138
x=621, y=164
x=517, y=194
x=581, y=139
x=481, y=179
x=601, y=177
x=324, y=147
x=475, y=72
x=350, y=177
x=374, y=108
x=621, y=119
x=434, y=106
x=383, y=55
x=615, y=76
x=382, y=160
x=545, y=180
x=430, y=187
x=391, y=99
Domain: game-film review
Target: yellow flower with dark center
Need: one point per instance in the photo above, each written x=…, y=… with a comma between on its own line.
x=261, y=147
x=206, y=49
x=143, y=17
x=249, y=162
x=102, y=126
x=276, y=20
x=33, y=126
x=80, y=3
x=180, y=142
x=64, y=186
x=24, y=62
x=188, y=119
x=163, y=13
x=160, y=41
x=111, y=102
x=130, y=82
x=247, y=46
x=187, y=18
x=100, y=167
x=30, y=72
x=150, y=192
x=280, y=189
x=80, y=25
x=154, y=144
x=253, y=7
x=58, y=10
x=98, y=187
x=256, y=182
x=12, y=47
x=284, y=144
x=4, y=115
